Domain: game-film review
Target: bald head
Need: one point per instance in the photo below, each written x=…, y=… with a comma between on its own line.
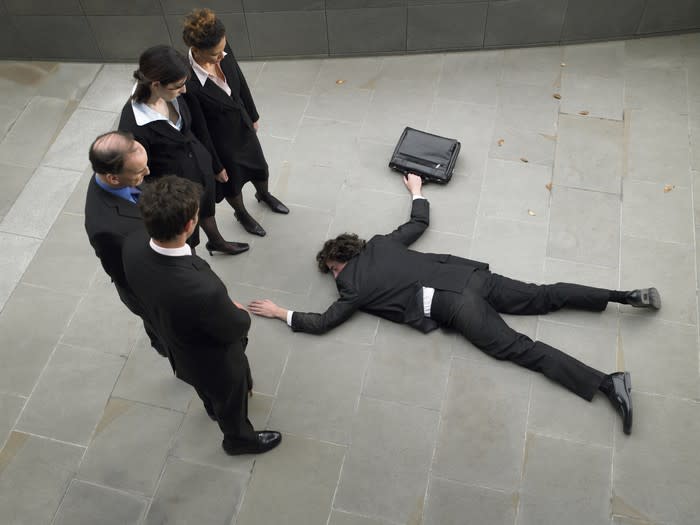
x=118, y=159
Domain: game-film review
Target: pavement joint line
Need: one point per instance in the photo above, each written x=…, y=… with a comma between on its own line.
x=49, y=438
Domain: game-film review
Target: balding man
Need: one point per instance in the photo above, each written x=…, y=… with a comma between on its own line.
x=120, y=164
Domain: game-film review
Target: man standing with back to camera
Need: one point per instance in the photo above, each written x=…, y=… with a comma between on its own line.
x=384, y=277
x=204, y=330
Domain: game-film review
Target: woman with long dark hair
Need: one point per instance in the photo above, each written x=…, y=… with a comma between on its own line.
x=175, y=135
x=232, y=119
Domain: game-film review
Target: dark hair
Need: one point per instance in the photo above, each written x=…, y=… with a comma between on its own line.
x=167, y=204
x=109, y=150
x=159, y=64
x=343, y=248
x=201, y=29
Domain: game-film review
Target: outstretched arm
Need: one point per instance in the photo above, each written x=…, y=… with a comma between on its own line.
x=312, y=323
x=410, y=231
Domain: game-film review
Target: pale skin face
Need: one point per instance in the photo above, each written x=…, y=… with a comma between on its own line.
x=335, y=267
x=168, y=92
x=212, y=56
x=135, y=168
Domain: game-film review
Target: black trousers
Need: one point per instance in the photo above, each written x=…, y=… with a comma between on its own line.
x=475, y=314
x=132, y=303
x=227, y=402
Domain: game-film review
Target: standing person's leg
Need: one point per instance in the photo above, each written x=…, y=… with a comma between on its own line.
x=207, y=220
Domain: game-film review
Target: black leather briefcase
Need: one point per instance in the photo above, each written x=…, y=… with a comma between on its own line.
x=430, y=156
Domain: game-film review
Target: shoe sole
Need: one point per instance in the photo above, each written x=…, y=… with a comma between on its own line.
x=628, y=387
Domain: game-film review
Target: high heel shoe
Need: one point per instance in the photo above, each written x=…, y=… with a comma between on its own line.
x=230, y=248
x=250, y=224
x=273, y=202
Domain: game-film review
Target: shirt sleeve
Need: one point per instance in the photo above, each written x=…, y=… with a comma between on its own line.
x=290, y=313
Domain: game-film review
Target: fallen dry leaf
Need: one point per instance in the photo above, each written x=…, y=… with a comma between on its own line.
x=548, y=186
x=584, y=113
x=523, y=159
x=668, y=188
x=557, y=96
x=531, y=213
x=340, y=81
x=500, y=142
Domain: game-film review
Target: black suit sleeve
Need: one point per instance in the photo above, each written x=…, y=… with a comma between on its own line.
x=409, y=232
x=245, y=94
x=200, y=129
x=222, y=320
x=108, y=247
x=336, y=314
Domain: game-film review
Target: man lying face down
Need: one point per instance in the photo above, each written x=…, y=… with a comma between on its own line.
x=424, y=290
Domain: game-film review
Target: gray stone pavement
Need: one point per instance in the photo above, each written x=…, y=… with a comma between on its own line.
x=381, y=424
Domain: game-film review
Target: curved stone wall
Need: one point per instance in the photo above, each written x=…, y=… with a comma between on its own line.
x=118, y=30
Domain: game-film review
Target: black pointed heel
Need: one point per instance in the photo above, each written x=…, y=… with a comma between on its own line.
x=273, y=202
x=229, y=248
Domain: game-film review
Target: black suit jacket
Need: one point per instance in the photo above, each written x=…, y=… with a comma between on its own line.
x=230, y=118
x=190, y=309
x=387, y=279
x=108, y=221
x=185, y=153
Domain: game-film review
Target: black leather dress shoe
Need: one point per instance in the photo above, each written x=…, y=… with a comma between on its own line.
x=266, y=440
x=273, y=202
x=230, y=248
x=250, y=224
x=645, y=298
x=620, y=397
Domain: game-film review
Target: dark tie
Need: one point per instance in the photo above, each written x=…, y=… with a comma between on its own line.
x=135, y=194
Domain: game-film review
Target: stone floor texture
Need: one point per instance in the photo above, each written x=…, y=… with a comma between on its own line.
x=578, y=163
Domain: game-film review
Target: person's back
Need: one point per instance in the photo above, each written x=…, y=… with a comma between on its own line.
x=204, y=330
x=190, y=306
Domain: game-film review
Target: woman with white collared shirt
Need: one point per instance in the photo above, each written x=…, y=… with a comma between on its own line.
x=175, y=135
x=220, y=88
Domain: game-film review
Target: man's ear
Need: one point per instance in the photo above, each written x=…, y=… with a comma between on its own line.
x=112, y=179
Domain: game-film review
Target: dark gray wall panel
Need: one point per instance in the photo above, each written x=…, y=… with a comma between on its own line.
x=597, y=19
x=56, y=37
x=122, y=7
x=257, y=6
x=440, y=2
x=670, y=15
x=301, y=33
x=371, y=30
x=515, y=22
x=177, y=7
x=10, y=43
x=236, y=33
x=125, y=37
x=43, y=7
x=446, y=27
x=356, y=4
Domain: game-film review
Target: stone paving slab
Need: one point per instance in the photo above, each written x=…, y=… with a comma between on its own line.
x=382, y=425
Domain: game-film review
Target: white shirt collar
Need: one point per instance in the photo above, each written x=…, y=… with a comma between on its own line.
x=144, y=114
x=171, y=252
x=199, y=71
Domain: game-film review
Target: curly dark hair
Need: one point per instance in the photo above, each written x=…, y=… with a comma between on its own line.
x=343, y=248
x=167, y=204
x=202, y=29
